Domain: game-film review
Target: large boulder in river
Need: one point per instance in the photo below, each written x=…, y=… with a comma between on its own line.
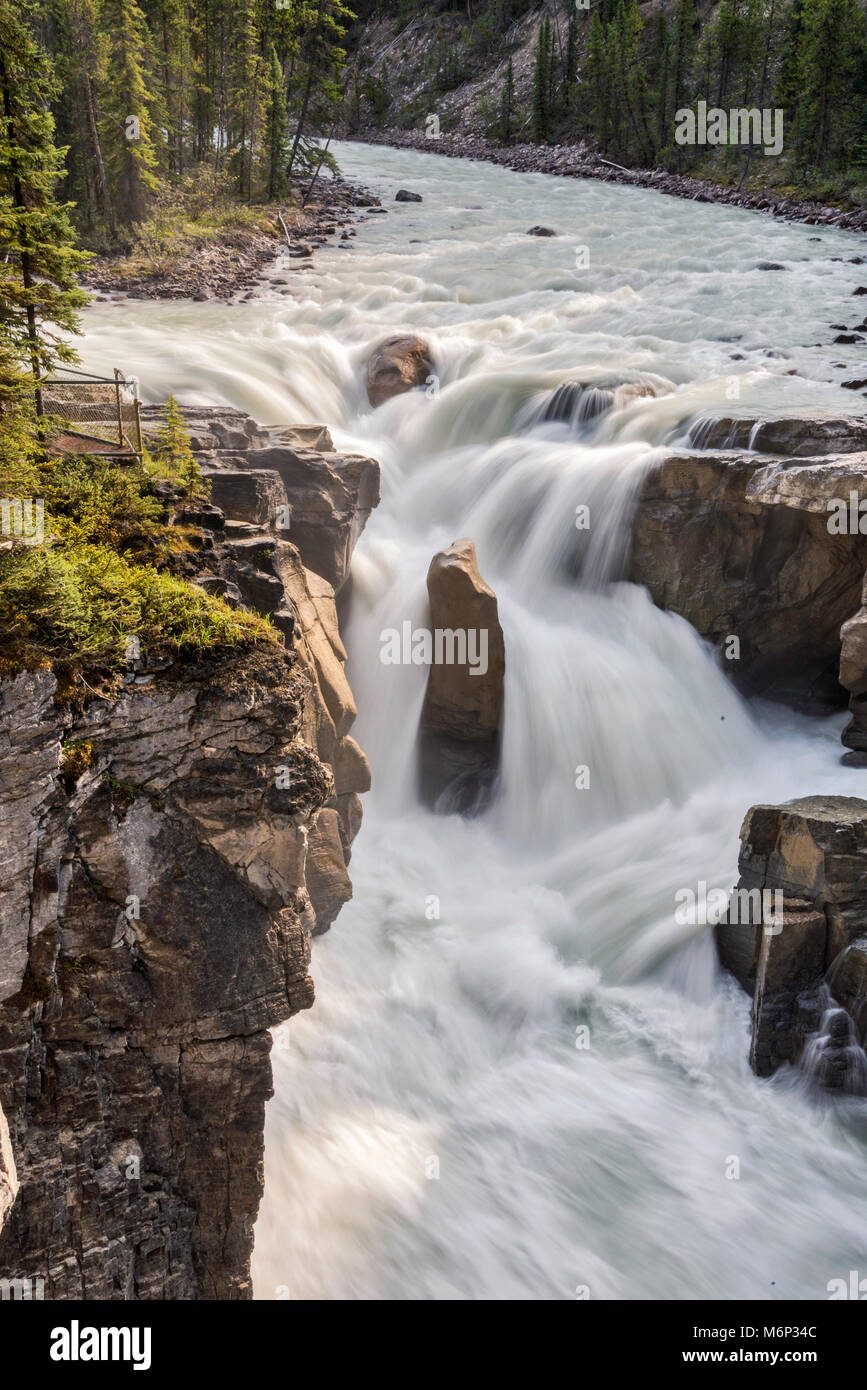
x=739, y=544
x=799, y=907
x=396, y=366
x=463, y=709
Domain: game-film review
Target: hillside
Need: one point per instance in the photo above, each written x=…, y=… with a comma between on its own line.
x=616, y=74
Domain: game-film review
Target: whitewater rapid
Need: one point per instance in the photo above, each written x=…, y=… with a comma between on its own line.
x=522, y=1078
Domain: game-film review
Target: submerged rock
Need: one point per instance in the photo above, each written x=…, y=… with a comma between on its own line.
x=396, y=366
x=463, y=708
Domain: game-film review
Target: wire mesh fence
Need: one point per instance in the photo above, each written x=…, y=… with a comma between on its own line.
x=93, y=414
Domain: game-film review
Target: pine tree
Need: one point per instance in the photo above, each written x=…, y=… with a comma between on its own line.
x=570, y=74
x=541, y=107
x=507, y=104
x=81, y=62
x=277, y=135
x=597, y=78
x=829, y=46
x=681, y=58
x=248, y=96
x=629, y=79
x=322, y=55
x=38, y=272
x=172, y=447
x=128, y=106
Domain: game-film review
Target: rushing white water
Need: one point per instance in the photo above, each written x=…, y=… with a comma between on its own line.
x=436, y=1132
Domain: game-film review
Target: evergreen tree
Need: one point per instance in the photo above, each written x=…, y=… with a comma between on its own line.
x=247, y=97
x=829, y=47
x=128, y=105
x=278, y=131
x=38, y=272
x=570, y=74
x=541, y=107
x=681, y=59
x=81, y=62
x=598, y=73
x=172, y=447
x=323, y=26
x=507, y=104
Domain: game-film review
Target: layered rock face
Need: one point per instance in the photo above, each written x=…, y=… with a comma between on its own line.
x=463, y=708
x=160, y=891
x=303, y=506
x=801, y=953
x=740, y=545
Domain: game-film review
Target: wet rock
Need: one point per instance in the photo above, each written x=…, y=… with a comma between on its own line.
x=847, y=981
x=330, y=496
x=770, y=265
x=798, y=437
x=403, y=195
x=578, y=403
x=853, y=677
x=399, y=364
x=204, y=292
x=811, y=852
x=463, y=707
x=328, y=882
x=541, y=231
x=739, y=545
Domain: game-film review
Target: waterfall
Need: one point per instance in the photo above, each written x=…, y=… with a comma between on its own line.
x=522, y=1075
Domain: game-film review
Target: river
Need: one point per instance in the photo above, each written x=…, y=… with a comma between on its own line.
x=522, y=1078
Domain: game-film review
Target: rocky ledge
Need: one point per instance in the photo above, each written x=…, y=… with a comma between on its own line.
x=168, y=855
x=802, y=952
x=750, y=536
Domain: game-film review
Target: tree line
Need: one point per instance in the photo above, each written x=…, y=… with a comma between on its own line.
x=605, y=72
x=148, y=90
x=104, y=103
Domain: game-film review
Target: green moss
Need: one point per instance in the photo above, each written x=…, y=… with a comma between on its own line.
x=75, y=758
x=102, y=575
x=81, y=603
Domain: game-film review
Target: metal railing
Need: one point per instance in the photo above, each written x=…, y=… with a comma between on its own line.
x=98, y=414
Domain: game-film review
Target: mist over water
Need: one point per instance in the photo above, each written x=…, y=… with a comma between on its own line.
x=449, y=992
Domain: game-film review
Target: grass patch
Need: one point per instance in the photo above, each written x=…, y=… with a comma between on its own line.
x=103, y=572
x=81, y=603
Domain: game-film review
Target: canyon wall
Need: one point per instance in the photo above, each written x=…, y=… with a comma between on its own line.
x=168, y=854
x=739, y=544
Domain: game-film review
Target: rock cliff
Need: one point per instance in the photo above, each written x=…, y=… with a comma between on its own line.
x=168, y=853
x=740, y=544
x=801, y=953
